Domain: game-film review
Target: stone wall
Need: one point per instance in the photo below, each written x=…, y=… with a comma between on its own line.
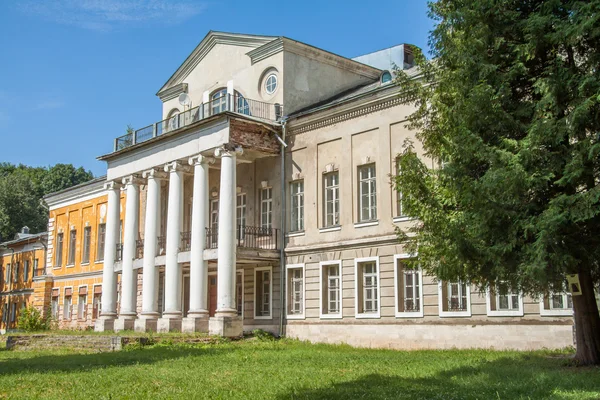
x=78, y=342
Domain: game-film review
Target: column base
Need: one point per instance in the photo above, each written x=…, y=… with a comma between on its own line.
x=226, y=326
x=124, y=324
x=165, y=325
x=104, y=325
x=195, y=324
x=146, y=324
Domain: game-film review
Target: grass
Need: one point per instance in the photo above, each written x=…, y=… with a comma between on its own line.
x=289, y=369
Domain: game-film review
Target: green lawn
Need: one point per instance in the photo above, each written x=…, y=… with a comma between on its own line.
x=293, y=370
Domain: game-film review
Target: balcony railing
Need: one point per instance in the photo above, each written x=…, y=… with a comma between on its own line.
x=119, y=253
x=233, y=103
x=161, y=245
x=250, y=237
x=186, y=241
x=139, y=248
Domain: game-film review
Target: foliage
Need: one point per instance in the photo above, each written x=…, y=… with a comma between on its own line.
x=22, y=188
x=32, y=320
x=263, y=335
x=510, y=110
x=293, y=370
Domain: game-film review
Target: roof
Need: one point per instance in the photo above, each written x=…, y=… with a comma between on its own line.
x=24, y=237
x=92, y=187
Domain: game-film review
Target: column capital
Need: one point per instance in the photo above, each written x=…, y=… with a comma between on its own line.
x=200, y=159
x=132, y=179
x=153, y=173
x=176, y=166
x=228, y=150
x=112, y=185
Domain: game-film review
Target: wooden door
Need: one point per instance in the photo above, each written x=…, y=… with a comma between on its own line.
x=212, y=295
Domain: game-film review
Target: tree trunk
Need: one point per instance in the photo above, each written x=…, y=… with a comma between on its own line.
x=587, y=323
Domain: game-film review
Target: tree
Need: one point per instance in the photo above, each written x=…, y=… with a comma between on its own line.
x=62, y=176
x=510, y=109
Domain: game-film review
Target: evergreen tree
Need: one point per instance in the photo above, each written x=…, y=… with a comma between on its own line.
x=510, y=107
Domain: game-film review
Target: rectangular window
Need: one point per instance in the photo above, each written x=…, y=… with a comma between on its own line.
x=54, y=303
x=297, y=204
x=266, y=208
x=72, y=245
x=13, y=312
x=67, y=304
x=240, y=214
x=87, y=240
x=7, y=277
x=16, y=272
x=367, y=287
x=400, y=212
x=557, y=304
x=263, y=292
x=214, y=222
x=101, y=242
x=454, y=299
x=503, y=301
x=331, y=289
x=36, y=266
x=239, y=293
x=59, y=250
x=295, y=290
x=82, y=306
x=25, y=271
x=367, y=193
x=331, y=183
x=409, y=292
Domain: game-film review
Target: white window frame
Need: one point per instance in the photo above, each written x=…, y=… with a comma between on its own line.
x=371, y=207
x=357, y=262
x=288, y=289
x=72, y=254
x=60, y=246
x=99, y=303
x=84, y=305
x=56, y=317
x=555, y=312
x=452, y=314
x=218, y=101
x=334, y=190
x=86, y=246
x=298, y=210
x=502, y=313
x=322, y=265
x=260, y=269
x=100, y=249
x=70, y=306
x=274, y=85
x=25, y=271
x=240, y=207
x=269, y=202
x=409, y=314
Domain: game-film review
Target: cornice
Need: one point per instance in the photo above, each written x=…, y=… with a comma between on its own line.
x=173, y=92
x=91, y=189
x=265, y=51
x=205, y=46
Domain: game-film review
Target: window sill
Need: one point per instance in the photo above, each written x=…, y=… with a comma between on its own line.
x=366, y=223
x=294, y=234
x=455, y=314
x=368, y=315
x=264, y=317
x=403, y=219
x=86, y=263
x=330, y=316
x=505, y=313
x=295, y=316
x=70, y=266
x=98, y=261
x=410, y=314
x=57, y=267
x=330, y=229
x=556, y=313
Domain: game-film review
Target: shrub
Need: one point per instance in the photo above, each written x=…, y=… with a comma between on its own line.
x=31, y=320
x=263, y=335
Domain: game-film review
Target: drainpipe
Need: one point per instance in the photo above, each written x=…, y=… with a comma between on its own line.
x=282, y=307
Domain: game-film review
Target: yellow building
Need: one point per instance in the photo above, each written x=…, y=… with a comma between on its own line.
x=22, y=260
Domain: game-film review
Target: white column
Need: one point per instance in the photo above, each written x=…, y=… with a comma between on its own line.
x=227, y=240
x=109, y=278
x=174, y=223
x=130, y=235
x=199, y=266
x=152, y=220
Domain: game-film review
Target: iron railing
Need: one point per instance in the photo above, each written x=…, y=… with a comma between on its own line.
x=250, y=237
x=232, y=103
x=139, y=248
x=119, y=253
x=186, y=241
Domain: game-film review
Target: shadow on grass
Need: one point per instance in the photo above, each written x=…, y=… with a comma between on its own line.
x=84, y=362
x=525, y=376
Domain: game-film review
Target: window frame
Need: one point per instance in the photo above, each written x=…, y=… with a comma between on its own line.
x=84, y=304
x=243, y=298
x=15, y=272
x=297, y=195
x=222, y=101
x=502, y=313
x=100, y=244
x=262, y=269
x=72, y=254
x=289, y=267
x=373, y=178
x=70, y=304
x=269, y=202
x=555, y=312
x=86, y=245
x=276, y=83
x=322, y=265
x=335, y=201
x=25, y=270
x=60, y=244
x=453, y=314
x=407, y=314
x=57, y=297
x=94, y=286
x=357, y=275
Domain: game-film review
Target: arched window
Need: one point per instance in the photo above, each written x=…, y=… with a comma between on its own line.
x=271, y=83
x=386, y=77
x=219, y=101
x=241, y=104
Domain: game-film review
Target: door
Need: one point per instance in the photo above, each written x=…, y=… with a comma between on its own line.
x=186, y=295
x=212, y=295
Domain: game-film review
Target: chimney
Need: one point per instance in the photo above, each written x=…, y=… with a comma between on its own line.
x=25, y=230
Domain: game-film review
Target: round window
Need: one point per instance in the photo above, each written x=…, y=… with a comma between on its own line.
x=271, y=84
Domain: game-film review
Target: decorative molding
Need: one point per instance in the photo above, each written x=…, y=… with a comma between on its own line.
x=228, y=150
x=176, y=166
x=173, y=92
x=266, y=50
x=132, y=179
x=200, y=159
x=112, y=185
x=153, y=173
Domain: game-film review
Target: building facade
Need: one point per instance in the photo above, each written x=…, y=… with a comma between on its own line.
x=263, y=199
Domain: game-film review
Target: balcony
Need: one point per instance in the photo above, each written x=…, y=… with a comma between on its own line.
x=249, y=237
x=228, y=103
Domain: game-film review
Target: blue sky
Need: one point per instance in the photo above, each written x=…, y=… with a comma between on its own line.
x=74, y=73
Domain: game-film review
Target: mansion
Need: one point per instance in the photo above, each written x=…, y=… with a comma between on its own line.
x=262, y=199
